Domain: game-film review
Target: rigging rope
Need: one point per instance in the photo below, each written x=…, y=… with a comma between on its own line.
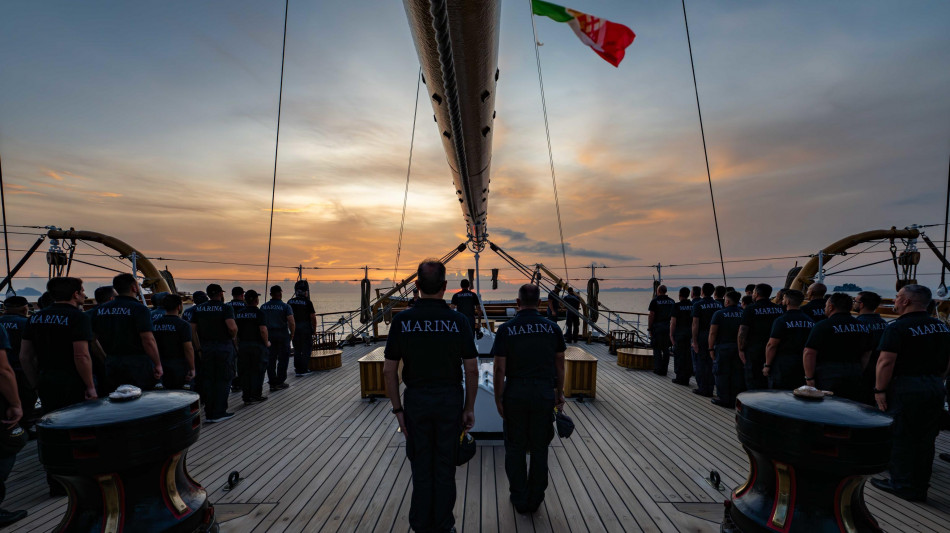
x=705, y=152
x=273, y=192
x=946, y=220
x=405, y=195
x=6, y=243
x=547, y=133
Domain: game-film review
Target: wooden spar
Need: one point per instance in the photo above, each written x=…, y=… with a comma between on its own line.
x=153, y=279
x=806, y=276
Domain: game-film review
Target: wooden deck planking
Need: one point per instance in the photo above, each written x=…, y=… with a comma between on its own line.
x=317, y=458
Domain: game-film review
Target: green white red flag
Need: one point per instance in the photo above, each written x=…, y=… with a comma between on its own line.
x=609, y=39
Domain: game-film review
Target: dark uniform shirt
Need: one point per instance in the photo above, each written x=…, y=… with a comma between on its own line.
x=465, y=302
x=529, y=343
x=209, y=318
x=555, y=305
x=573, y=301
x=249, y=321
x=171, y=333
x=683, y=313
x=921, y=342
x=186, y=314
x=5, y=345
x=52, y=331
x=792, y=330
x=875, y=325
x=815, y=309
x=759, y=317
x=839, y=339
x=119, y=323
x=13, y=326
x=704, y=310
x=431, y=340
x=728, y=319
x=237, y=304
x=275, y=314
x=156, y=314
x=303, y=308
x=662, y=307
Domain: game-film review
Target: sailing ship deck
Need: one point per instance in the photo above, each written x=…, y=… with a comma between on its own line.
x=317, y=458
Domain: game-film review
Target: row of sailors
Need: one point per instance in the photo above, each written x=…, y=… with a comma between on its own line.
x=897, y=367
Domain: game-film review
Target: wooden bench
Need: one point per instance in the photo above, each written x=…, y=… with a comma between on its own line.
x=371, y=374
x=325, y=359
x=580, y=373
x=324, y=340
x=620, y=338
x=635, y=358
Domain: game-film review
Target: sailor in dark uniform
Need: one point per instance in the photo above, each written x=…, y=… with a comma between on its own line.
x=157, y=310
x=213, y=332
x=252, y=348
x=123, y=328
x=305, y=317
x=433, y=342
x=415, y=297
x=681, y=324
x=173, y=336
x=703, y=311
x=815, y=308
x=573, y=318
x=750, y=290
x=783, y=354
x=720, y=295
x=237, y=298
x=865, y=304
x=837, y=349
x=465, y=301
x=727, y=367
x=915, y=352
x=754, y=335
x=696, y=294
x=658, y=323
x=13, y=436
x=280, y=329
x=14, y=322
x=198, y=298
x=103, y=294
x=553, y=308
x=529, y=384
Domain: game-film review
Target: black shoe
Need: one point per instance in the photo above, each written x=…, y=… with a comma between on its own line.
x=260, y=398
x=886, y=486
x=720, y=403
x=283, y=386
x=235, y=388
x=521, y=508
x=681, y=382
x=221, y=418
x=274, y=389
x=704, y=394
x=9, y=517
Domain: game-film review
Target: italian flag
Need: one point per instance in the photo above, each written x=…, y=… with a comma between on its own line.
x=608, y=39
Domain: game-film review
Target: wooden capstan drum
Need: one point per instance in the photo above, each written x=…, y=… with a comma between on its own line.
x=123, y=464
x=809, y=460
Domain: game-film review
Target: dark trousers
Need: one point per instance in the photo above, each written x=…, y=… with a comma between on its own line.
x=573, y=327
x=279, y=357
x=844, y=379
x=682, y=361
x=660, y=340
x=6, y=466
x=529, y=428
x=915, y=402
x=58, y=391
x=303, y=347
x=136, y=370
x=754, y=360
x=702, y=365
x=252, y=362
x=217, y=369
x=27, y=398
x=173, y=374
x=729, y=372
x=434, y=422
x=787, y=372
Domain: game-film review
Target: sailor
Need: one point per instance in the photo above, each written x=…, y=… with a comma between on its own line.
x=837, y=349
x=213, y=332
x=237, y=298
x=681, y=324
x=415, y=297
x=754, y=335
x=13, y=322
x=658, y=324
x=703, y=311
x=865, y=305
x=173, y=336
x=157, y=310
x=780, y=298
x=815, y=308
x=305, y=318
x=103, y=294
x=747, y=300
x=280, y=329
x=433, y=342
x=750, y=291
x=529, y=385
x=915, y=351
x=252, y=348
x=553, y=309
x=573, y=318
x=198, y=298
x=124, y=329
x=11, y=434
x=726, y=367
x=696, y=294
x=720, y=295
x=465, y=301
x=783, y=354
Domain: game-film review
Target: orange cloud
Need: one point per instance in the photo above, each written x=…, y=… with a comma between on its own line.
x=108, y=194
x=53, y=175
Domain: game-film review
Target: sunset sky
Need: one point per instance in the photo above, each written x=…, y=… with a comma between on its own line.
x=155, y=121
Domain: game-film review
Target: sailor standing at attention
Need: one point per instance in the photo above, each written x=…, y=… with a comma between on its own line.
x=124, y=329
x=213, y=331
x=305, y=318
x=529, y=384
x=815, y=308
x=783, y=353
x=173, y=336
x=658, y=324
x=865, y=304
x=237, y=298
x=703, y=311
x=433, y=342
x=252, y=348
x=280, y=329
x=573, y=323
x=727, y=367
x=13, y=322
x=681, y=324
x=837, y=349
x=465, y=301
x=754, y=335
x=915, y=352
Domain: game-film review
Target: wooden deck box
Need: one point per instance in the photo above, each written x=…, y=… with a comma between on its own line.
x=620, y=338
x=326, y=359
x=635, y=358
x=371, y=374
x=580, y=373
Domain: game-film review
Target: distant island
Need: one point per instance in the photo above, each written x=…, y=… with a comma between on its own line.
x=626, y=289
x=847, y=287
